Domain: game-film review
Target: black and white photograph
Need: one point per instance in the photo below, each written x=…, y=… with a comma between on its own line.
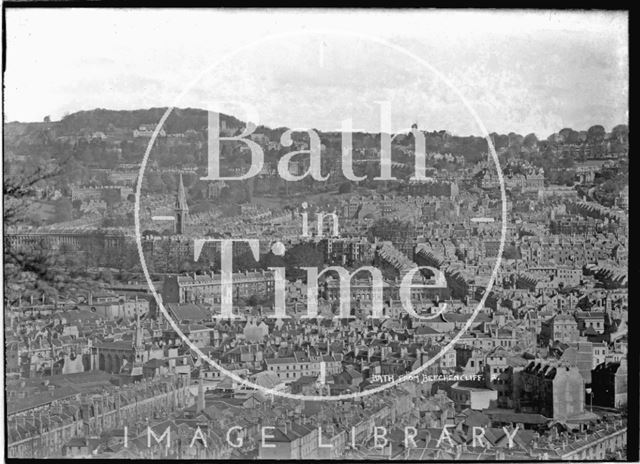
x=316, y=234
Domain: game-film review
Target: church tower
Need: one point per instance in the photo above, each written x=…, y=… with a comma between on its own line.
x=138, y=337
x=181, y=209
x=200, y=403
x=137, y=346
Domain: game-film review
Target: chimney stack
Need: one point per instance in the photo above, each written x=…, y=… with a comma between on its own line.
x=200, y=402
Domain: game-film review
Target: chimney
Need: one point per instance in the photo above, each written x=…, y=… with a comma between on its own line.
x=200, y=402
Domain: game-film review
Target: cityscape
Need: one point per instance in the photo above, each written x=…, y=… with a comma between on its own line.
x=420, y=295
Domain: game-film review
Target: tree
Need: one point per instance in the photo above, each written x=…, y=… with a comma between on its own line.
x=302, y=255
x=568, y=135
x=271, y=260
x=345, y=187
x=245, y=262
x=595, y=134
x=250, y=187
x=37, y=266
x=108, y=221
x=511, y=252
x=111, y=197
x=499, y=141
x=170, y=182
x=620, y=133
x=152, y=182
x=515, y=140
x=225, y=194
x=530, y=140
x=64, y=210
x=566, y=162
x=106, y=276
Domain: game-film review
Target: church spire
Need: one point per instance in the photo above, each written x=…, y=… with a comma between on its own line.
x=139, y=336
x=200, y=402
x=181, y=200
x=181, y=208
x=489, y=156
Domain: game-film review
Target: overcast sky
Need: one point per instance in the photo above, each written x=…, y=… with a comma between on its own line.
x=520, y=71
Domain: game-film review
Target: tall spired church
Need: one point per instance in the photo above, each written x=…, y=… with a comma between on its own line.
x=181, y=209
x=125, y=356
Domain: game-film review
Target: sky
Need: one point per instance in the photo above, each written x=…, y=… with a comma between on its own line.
x=520, y=71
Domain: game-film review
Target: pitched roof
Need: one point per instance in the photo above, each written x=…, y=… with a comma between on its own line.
x=515, y=417
x=188, y=311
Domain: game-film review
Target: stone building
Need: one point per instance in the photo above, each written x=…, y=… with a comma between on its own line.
x=555, y=391
x=609, y=384
x=207, y=288
x=561, y=327
x=44, y=428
